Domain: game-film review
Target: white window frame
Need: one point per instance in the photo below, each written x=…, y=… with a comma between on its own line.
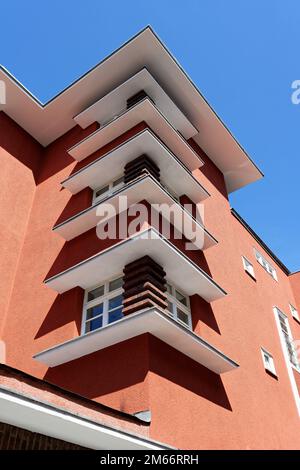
x=265, y=264
x=287, y=339
x=112, y=188
x=248, y=267
x=269, y=365
x=294, y=312
x=290, y=367
x=101, y=299
x=171, y=297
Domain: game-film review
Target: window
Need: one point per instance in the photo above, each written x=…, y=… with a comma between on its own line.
x=287, y=338
x=268, y=361
x=103, y=305
x=294, y=312
x=248, y=267
x=178, y=306
x=266, y=265
x=108, y=189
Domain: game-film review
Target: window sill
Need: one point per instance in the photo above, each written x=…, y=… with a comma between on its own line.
x=250, y=275
x=272, y=374
x=153, y=321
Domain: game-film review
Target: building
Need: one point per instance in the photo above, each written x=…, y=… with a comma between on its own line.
x=142, y=340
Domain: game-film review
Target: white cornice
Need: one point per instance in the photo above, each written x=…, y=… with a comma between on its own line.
x=46, y=122
x=150, y=320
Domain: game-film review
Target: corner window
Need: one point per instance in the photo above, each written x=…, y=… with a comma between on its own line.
x=265, y=264
x=294, y=312
x=268, y=361
x=248, y=267
x=108, y=189
x=103, y=305
x=179, y=306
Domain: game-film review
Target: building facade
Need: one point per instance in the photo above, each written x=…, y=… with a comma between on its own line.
x=155, y=328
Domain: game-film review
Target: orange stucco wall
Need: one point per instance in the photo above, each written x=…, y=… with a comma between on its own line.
x=191, y=407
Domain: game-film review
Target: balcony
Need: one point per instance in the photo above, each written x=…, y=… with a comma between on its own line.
x=172, y=170
x=151, y=320
x=107, y=264
x=105, y=109
x=143, y=188
x=146, y=111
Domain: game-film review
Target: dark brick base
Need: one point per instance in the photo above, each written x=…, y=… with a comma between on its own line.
x=13, y=438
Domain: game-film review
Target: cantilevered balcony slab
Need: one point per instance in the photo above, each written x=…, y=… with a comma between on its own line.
x=114, y=103
x=153, y=321
x=180, y=270
x=143, y=188
x=49, y=121
x=109, y=166
x=146, y=111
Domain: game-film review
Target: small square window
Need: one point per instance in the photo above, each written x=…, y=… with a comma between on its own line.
x=182, y=316
x=265, y=264
x=102, y=191
x=94, y=324
x=178, y=306
x=181, y=298
x=93, y=294
x=94, y=311
x=294, y=312
x=103, y=305
x=268, y=361
x=118, y=182
x=115, y=284
x=248, y=267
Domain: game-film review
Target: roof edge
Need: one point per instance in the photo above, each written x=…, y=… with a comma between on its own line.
x=261, y=242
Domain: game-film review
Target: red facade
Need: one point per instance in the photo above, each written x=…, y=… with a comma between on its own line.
x=191, y=405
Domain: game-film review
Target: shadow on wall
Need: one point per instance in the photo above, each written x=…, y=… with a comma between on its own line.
x=186, y=373
x=56, y=156
x=18, y=143
x=114, y=370
x=203, y=312
x=66, y=308
x=115, y=376
x=209, y=169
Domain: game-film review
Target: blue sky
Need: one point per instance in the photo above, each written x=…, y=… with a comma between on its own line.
x=242, y=55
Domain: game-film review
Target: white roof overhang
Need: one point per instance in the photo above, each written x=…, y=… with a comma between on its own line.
x=180, y=269
x=49, y=121
x=110, y=166
x=143, y=188
x=151, y=320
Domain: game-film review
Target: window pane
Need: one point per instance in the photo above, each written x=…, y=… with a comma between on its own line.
x=182, y=299
x=115, y=284
x=115, y=302
x=93, y=324
x=118, y=181
x=294, y=312
x=267, y=359
x=102, y=191
x=182, y=316
x=169, y=288
x=94, y=311
x=115, y=315
x=98, y=292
